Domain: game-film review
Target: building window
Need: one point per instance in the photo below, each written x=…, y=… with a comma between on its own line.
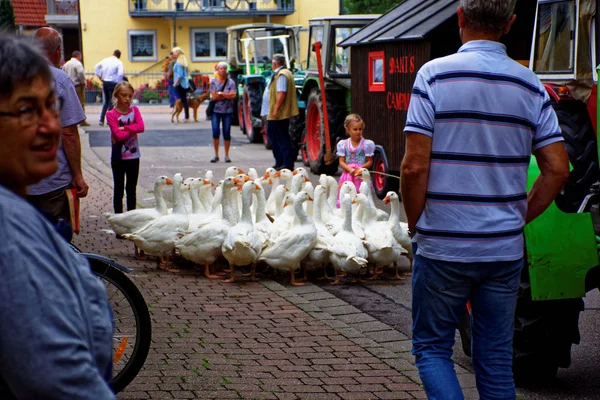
x=142, y=46
x=376, y=71
x=208, y=45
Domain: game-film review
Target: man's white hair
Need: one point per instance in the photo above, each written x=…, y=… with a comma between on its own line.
x=488, y=15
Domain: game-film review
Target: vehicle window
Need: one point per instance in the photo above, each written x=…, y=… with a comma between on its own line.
x=555, y=46
x=340, y=58
x=264, y=48
x=316, y=35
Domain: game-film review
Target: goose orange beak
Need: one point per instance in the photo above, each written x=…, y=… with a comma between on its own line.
x=237, y=181
x=295, y=172
x=277, y=174
x=386, y=201
x=310, y=198
x=240, y=171
x=169, y=181
x=306, y=179
x=247, y=178
x=266, y=175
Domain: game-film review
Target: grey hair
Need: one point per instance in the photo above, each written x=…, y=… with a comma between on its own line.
x=222, y=64
x=279, y=58
x=50, y=43
x=488, y=15
x=14, y=54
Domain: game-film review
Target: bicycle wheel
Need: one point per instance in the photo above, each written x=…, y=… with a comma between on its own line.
x=133, y=329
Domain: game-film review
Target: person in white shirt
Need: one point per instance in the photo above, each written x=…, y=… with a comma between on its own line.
x=110, y=72
x=74, y=68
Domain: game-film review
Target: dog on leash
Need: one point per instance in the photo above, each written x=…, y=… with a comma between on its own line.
x=193, y=103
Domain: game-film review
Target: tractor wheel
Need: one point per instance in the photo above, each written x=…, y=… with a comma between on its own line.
x=240, y=113
x=544, y=334
x=296, y=131
x=315, y=133
x=252, y=106
x=382, y=183
x=581, y=145
x=303, y=151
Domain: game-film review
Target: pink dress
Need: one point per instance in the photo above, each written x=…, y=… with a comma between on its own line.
x=355, y=158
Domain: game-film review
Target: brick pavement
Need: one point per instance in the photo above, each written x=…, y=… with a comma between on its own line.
x=250, y=340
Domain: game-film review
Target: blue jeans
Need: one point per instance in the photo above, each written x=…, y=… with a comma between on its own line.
x=216, y=125
x=172, y=94
x=440, y=293
x=278, y=132
x=107, y=89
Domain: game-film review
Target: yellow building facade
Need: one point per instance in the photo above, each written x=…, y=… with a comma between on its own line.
x=146, y=30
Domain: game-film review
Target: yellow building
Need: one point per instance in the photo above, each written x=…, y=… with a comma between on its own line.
x=146, y=30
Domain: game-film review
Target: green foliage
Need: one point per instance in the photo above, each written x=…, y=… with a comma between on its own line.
x=7, y=17
x=369, y=6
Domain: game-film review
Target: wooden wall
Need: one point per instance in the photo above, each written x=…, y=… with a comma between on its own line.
x=385, y=112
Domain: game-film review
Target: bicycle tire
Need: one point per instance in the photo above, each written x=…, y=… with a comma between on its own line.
x=143, y=336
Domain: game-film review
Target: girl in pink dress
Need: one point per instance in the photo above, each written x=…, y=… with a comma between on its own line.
x=355, y=152
x=125, y=122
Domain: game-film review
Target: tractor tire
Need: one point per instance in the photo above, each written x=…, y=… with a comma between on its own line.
x=252, y=105
x=315, y=131
x=581, y=145
x=383, y=184
x=303, y=150
x=544, y=334
x=240, y=113
x=296, y=131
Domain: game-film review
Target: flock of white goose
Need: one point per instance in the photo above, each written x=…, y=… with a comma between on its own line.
x=298, y=225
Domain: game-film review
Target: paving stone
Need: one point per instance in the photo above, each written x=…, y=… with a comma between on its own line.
x=386, y=336
x=246, y=340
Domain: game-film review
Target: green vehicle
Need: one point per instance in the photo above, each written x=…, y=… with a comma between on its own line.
x=562, y=262
x=249, y=50
x=309, y=129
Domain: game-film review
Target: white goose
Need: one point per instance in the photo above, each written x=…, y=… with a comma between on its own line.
x=348, y=253
x=399, y=229
x=242, y=246
x=289, y=249
x=262, y=224
x=270, y=174
x=366, y=190
x=133, y=220
x=383, y=248
x=280, y=192
x=158, y=237
x=309, y=205
x=284, y=222
x=209, y=176
x=334, y=223
x=319, y=255
x=287, y=175
x=204, y=245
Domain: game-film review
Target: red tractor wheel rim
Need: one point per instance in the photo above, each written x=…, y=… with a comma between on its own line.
x=380, y=179
x=241, y=111
x=247, y=115
x=313, y=132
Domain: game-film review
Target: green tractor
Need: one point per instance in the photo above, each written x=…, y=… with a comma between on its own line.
x=250, y=48
x=321, y=122
x=562, y=262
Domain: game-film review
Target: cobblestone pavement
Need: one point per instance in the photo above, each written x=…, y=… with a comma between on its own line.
x=250, y=340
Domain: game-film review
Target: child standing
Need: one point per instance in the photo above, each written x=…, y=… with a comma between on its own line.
x=355, y=152
x=125, y=124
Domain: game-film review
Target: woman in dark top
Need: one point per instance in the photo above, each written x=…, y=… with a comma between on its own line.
x=222, y=91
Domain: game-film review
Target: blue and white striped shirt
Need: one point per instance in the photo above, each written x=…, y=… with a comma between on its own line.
x=485, y=114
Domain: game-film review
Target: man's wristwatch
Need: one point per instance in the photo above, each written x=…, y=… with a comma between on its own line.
x=410, y=233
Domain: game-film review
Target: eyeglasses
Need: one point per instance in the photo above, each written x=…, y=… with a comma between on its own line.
x=30, y=115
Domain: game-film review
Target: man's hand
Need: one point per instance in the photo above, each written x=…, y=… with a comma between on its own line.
x=81, y=186
x=275, y=114
x=553, y=162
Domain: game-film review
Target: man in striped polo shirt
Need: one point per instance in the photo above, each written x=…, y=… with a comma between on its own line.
x=474, y=120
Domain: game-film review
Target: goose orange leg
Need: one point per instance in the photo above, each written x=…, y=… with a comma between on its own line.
x=293, y=281
x=337, y=278
x=397, y=277
x=139, y=254
x=253, y=277
x=231, y=275
x=207, y=272
x=409, y=272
